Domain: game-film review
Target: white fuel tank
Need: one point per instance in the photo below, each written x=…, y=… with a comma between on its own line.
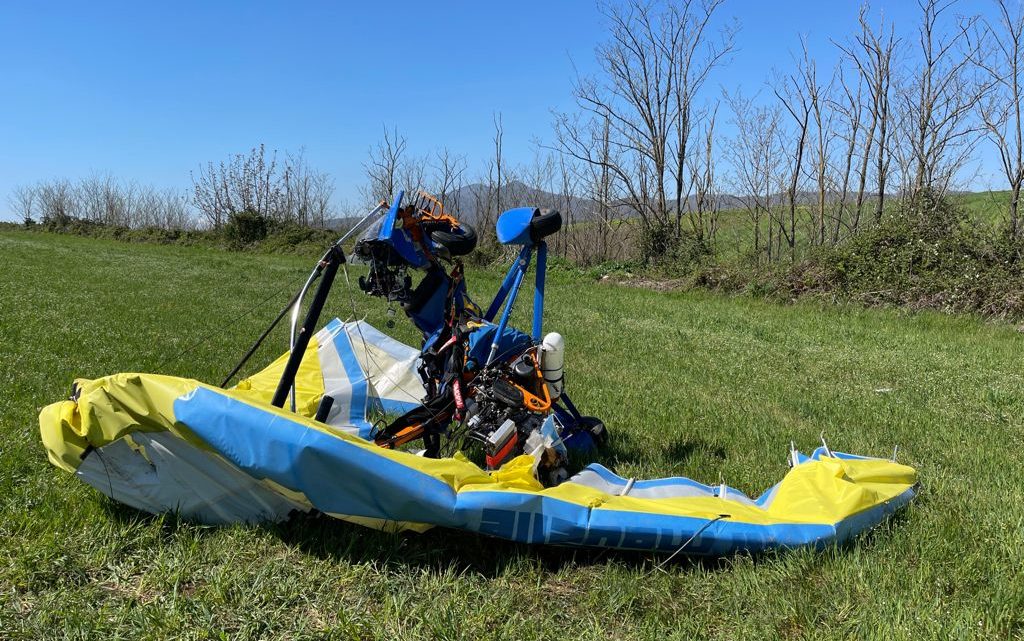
x=552, y=362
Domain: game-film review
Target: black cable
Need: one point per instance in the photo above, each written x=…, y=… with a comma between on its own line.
x=218, y=330
x=259, y=341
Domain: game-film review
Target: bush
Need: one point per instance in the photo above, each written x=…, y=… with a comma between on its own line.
x=927, y=253
x=291, y=238
x=245, y=228
x=676, y=253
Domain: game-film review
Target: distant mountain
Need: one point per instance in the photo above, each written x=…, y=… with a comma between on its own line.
x=474, y=199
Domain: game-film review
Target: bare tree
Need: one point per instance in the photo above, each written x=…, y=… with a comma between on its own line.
x=448, y=169
x=58, y=201
x=797, y=92
x=107, y=201
x=821, y=149
x=1000, y=110
x=569, y=188
x=698, y=55
x=658, y=57
x=490, y=194
x=163, y=209
x=499, y=158
x=288, y=191
x=635, y=95
x=849, y=107
x=23, y=200
x=941, y=99
x=592, y=240
x=871, y=53
x=706, y=203
x=305, y=193
x=755, y=156
x=385, y=165
x=172, y=210
x=245, y=182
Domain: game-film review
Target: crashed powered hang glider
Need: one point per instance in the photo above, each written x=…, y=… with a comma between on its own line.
x=219, y=455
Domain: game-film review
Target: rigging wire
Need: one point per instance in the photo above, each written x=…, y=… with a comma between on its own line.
x=219, y=330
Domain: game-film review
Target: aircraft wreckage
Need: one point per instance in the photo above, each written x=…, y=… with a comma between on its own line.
x=480, y=430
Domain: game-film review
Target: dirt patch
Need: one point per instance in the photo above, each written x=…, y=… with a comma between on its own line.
x=644, y=282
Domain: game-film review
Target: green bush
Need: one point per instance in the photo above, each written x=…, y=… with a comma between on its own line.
x=672, y=252
x=245, y=228
x=926, y=253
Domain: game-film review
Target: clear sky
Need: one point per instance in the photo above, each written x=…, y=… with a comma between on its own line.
x=147, y=91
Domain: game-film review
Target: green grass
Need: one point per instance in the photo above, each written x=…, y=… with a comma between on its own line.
x=735, y=236
x=689, y=383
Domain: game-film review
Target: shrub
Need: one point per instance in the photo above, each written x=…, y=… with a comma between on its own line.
x=926, y=253
x=245, y=228
x=676, y=253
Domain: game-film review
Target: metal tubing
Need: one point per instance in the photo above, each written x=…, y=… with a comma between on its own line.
x=523, y=266
x=506, y=284
x=538, y=290
x=333, y=258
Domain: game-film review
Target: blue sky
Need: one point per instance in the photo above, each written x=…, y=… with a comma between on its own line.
x=148, y=91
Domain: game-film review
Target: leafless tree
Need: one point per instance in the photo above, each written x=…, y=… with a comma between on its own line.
x=795, y=94
x=1002, y=63
x=598, y=237
x=24, y=202
x=635, y=95
x=871, y=52
x=706, y=202
x=305, y=193
x=698, y=55
x=105, y=200
x=449, y=170
x=821, y=147
x=568, y=202
x=286, y=191
x=848, y=106
x=385, y=165
x=755, y=156
x=58, y=201
x=941, y=98
x=490, y=195
x=163, y=209
x=245, y=182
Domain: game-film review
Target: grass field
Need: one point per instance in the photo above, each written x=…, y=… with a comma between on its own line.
x=735, y=236
x=689, y=384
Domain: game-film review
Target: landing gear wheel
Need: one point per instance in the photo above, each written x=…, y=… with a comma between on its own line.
x=457, y=244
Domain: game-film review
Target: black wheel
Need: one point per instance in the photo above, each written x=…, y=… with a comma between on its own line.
x=456, y=244
x=545, y=223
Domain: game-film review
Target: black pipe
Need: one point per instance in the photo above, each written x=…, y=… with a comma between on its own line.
x=324, y=408
x=332, y=260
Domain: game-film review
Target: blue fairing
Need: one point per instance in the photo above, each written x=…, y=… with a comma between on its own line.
x=398, y=237
x=511, y=343
x=513, y=226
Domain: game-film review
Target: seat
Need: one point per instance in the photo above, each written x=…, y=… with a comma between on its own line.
x=527, y=225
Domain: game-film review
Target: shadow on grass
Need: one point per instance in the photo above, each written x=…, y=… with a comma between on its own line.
x=439, y=550
x=626, y=449
x=442, y=550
